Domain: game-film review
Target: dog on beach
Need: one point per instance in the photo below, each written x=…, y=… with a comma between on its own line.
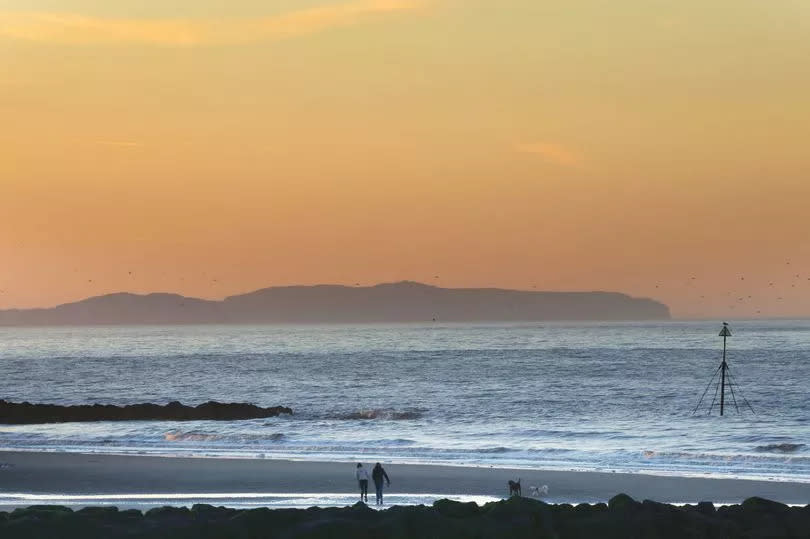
x=539, y=491
x=514, y=487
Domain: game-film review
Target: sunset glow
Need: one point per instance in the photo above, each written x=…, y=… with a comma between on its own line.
x=656, y=149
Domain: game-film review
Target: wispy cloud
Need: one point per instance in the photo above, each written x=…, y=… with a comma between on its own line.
x=552, y=153
x=118, y=143
x=74, y=28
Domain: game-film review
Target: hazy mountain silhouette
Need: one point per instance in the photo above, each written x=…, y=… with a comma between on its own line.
x=121, y=308
x=395, y=302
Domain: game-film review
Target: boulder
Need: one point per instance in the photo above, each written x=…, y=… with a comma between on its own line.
x=168, y=512
x=622, y=502
x=40, y=512
x=95, y=512
x=453, y=509
x=763, y=505
x=706, y=508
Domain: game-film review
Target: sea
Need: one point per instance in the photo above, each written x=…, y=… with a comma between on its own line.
x=565, y=396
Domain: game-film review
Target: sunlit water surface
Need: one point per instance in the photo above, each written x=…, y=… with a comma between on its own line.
x=564, y=396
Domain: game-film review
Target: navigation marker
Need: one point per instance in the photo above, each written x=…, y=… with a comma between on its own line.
x=725, y=373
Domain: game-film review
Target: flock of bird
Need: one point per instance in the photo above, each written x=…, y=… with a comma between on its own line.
x=739, y=297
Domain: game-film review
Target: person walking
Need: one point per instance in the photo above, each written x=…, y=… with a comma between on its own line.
x=362, y=480
x=378, y=475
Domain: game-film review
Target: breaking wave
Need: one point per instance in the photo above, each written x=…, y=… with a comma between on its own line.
x=779, y=448
x=708, y=457
x=190, y=437
x=382, y=413
x=206, y=437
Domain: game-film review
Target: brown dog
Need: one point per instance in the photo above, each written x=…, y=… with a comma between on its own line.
x=514, y=487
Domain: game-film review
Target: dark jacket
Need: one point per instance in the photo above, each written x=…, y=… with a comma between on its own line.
x=378, y=473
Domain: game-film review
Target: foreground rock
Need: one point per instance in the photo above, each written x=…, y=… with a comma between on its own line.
x=622, y=518
x=26, y=413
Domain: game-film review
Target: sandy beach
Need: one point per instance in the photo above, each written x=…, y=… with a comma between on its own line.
x=71, y=474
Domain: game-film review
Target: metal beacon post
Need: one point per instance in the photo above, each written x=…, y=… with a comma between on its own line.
x=726, y=380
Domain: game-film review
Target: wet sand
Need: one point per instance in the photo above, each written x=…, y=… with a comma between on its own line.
x=83, y=474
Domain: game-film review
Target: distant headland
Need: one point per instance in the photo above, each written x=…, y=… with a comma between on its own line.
x=404, y=301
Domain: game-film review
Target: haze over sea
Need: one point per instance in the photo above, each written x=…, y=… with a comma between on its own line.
x=585, y=396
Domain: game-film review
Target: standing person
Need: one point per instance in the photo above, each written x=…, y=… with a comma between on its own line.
x=362, y=480
x=378, y=474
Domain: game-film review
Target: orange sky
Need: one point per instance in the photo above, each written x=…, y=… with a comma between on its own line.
x=212, y=149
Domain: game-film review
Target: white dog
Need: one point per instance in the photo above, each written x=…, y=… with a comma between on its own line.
x=539, y=491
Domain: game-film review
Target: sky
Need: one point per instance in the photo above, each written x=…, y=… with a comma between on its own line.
x=657, y=148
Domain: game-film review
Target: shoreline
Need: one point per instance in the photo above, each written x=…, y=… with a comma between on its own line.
x=226, y=479
x=283, y=457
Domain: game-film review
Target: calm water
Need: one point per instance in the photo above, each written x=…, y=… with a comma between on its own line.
x=584, y=396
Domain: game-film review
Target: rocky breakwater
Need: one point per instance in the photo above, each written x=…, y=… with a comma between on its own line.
x=622, y=517
x=25, y=413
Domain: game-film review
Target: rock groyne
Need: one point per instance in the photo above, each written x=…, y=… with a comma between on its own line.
x=25, y=413
x=622, y=517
